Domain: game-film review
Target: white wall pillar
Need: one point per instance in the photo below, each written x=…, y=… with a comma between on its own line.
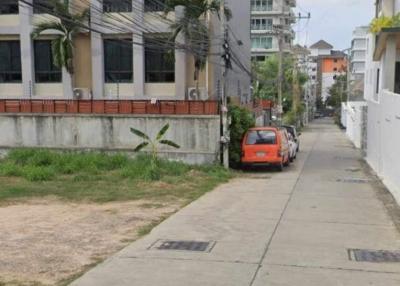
x=180, y=61
x=97, y=50
x=389, y=64
x=27, y=55
x=138, y=49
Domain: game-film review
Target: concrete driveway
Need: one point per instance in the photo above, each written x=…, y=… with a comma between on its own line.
x=292, y=228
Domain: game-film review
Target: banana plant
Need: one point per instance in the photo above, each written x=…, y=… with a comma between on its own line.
x=153, y=143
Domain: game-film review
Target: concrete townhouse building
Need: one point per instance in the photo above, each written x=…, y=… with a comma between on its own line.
x=382, y=93
x=327, y=64
x=119, y=55
x=265, y=15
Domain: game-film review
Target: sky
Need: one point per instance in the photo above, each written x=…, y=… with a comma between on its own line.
x=332, y=20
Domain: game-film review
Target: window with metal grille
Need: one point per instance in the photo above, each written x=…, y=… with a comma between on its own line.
x=262, y=5
x=154, y=5
x=118, y=60
x=115, y=6
x=160, y=60
x=42, y=7
x=9, y=7
x=45, y=70
x=10, y=62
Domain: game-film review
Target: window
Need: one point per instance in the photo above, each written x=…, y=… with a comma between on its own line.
x=8, y=7
x=154, y=6
x=261, y=5
x=118, y=61
x=261, y=42
x=111, y=6
x=10, y=62
x=45, y=70
x=42, y=6
x=335, y=60
x=261, y=24
x=160, y=60
x=261, y=137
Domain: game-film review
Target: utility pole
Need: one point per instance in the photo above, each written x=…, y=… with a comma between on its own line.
x=225, y=58
x=279, y=31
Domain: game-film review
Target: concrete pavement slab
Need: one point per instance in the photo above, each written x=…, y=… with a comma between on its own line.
x=273, y=275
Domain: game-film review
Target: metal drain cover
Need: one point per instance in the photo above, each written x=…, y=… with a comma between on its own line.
x=184, y=245
x=376, y=256
x=354, y=180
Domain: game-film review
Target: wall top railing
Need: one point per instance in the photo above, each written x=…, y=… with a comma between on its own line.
x=179, y=107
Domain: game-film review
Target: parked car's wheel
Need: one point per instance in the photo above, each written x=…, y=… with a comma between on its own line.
x=287, y=163
x=292, y=159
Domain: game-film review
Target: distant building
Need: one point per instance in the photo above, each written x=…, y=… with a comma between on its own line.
x=329, y=64
x=265, y=14
x=357, y=62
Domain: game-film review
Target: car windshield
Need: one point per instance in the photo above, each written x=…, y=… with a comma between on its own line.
x=261, y=137
x=290, y=130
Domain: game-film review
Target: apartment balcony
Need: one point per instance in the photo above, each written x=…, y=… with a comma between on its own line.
x=292, y=3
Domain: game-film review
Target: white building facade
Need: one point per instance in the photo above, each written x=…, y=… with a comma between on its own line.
x=266, y=15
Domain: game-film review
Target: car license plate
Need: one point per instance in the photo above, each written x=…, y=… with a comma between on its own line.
x=261, y=154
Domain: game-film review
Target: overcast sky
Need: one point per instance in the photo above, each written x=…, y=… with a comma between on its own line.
x=332, y=20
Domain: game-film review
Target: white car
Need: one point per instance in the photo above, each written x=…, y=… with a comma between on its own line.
x=292, y=147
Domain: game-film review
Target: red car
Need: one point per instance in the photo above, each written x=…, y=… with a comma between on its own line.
x=267, y=146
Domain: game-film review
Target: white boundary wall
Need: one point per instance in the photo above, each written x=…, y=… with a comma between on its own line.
x=352, y=116
x=383, y=153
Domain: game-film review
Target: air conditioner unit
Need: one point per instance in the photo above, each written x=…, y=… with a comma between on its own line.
x=200, y=94
x=82, y=93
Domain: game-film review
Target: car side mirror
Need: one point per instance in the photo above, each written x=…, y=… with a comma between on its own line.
x=298, y=134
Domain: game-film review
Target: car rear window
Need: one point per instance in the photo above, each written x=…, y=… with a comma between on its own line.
x=261, y=137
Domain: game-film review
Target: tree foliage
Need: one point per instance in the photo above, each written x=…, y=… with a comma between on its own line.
x=242, y=120
x=267, y=75
x=67, y=26
x=337, y=92
x=192, y=26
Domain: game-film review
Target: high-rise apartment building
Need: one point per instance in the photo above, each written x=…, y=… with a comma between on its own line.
x=268, y=19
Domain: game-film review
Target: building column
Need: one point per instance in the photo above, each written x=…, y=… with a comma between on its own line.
x=180, y=61
x=26, y=43
x=97, y=50
x=138, y=50
x=389, y=64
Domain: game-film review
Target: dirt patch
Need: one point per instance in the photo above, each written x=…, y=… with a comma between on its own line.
x=44, y=242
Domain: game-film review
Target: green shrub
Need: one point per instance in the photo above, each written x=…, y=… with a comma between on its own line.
x=242, y=120
x=10, y=169
x=34, y=174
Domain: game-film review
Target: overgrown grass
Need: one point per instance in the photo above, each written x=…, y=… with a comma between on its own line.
x=98, y=177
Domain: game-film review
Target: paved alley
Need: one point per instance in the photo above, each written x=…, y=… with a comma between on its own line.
x=293, y=228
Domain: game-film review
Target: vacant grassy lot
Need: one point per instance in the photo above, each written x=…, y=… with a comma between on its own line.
x=62, y=212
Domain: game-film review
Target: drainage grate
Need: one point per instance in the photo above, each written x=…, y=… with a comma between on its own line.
x=376, y=256
x=184, y=245
x=354, y=180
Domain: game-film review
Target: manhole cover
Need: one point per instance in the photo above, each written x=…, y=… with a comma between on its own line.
x=376, y=256
x=354, y=180
x=184, y=245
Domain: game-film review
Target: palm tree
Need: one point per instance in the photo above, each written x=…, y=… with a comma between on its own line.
x=67, y=25
x=194, y=30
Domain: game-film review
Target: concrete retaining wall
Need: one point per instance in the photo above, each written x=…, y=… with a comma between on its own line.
x=383, y=152
x=198, y=136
